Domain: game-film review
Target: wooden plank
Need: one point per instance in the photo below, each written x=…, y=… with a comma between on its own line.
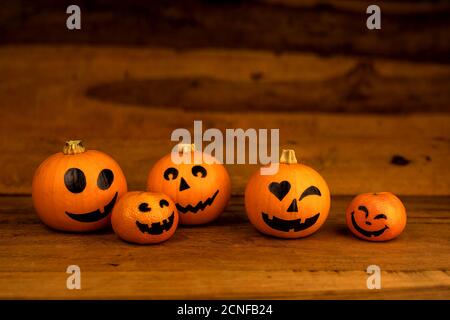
x=220, y=284
x=362, y=88
x=391, y=7
x=45, y=101
x=410, y=30
x=211, y=80
x=227, y=259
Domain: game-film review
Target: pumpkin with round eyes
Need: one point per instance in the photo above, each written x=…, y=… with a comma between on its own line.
x=377, y=216
x=200, y=189
x=145, y=217
x=76, y=190
x=292, y=203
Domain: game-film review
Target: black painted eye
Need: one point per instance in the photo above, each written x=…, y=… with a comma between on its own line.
x=163, y=203
x=364, y=209
x=105, y=179
x=199, y=169
x=143, y=207
x=312, y=190
x=280, y=190
x=380, y=216
x=75, y=180
x=170, y=174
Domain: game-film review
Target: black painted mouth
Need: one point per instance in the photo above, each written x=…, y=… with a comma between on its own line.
x=288, y=225
x=200, y=206
x=94, y=215
x=156, y=228
x=365, y=232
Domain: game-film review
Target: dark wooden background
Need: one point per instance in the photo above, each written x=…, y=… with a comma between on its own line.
x=368, y=109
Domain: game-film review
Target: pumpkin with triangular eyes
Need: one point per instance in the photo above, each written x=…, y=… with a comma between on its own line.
x=76, y=190
x=292, y=203
x=379, y=216
x=145, y=217
x=200, y=188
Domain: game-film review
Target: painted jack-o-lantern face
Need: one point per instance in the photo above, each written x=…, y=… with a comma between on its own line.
x=144, y=217
x=376, y=216
x=292, y=203
x=76, y=190
x=200, y=190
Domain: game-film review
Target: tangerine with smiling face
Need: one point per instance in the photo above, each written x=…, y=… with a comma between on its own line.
x=145, y=217
x=377, y=216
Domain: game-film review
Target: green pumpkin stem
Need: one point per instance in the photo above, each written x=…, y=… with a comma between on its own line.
x=288, y=156
x=73, y=147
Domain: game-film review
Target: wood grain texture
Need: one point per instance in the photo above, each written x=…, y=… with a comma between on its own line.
x=227, y=259
x=410, y=30
x=53, y=93
x=363, y=84
x=45, y=101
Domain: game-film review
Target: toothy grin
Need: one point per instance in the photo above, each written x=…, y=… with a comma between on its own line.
x=367, y=233
x=289, y=225
x=157, y=227
x=200, y=206
x=96, y=215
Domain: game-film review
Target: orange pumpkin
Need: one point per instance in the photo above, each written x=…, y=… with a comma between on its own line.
x=200, y=190
x=292, y=203
x=145, y=217
x=76, y=190
x=377, y=216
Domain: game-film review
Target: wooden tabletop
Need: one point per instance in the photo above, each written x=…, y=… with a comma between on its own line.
x=102, y=95
x=227, y=259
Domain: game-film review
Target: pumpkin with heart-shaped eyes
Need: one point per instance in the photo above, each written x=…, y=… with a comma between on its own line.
x=292, y=203
x=76, y=190
x=145, y=217
x=197, y=182
x=379, y=216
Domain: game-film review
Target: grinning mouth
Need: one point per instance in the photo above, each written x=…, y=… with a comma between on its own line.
x=365, y=232
x=157, y=227
x=200, y=206
x=94, y=215
x=288, y=225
